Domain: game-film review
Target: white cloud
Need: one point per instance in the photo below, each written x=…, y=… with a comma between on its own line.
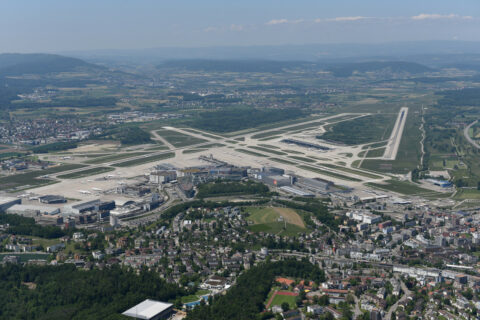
x=283, y=21
x=342, y=19
x=210, y=29
x=436, y=16
x=236, y=27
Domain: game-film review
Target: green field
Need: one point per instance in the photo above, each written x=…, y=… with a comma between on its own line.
x=361, y=130
x=405, y=187
x=302, y=159
x=178, y=139
x=194, y=297
x=268, y=150
x=373, y=153
x=266, y=219
x=328, y=173
x=360, y=173
x=279, y=299
x=143, y=160
x=31, y=179
x=86, y=173
x=463, y=194
x=282, y=161
x=113, y=157
x=251, y=152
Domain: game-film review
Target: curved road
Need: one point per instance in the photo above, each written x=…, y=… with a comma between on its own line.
x=467, y=136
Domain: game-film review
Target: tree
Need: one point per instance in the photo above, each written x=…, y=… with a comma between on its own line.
x=285, y=306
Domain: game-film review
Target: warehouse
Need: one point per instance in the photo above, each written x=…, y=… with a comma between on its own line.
x=32, y=210
x=150, y=310
x=7, y=202
x=50, y=199
x=80, y=207
x=297, y=192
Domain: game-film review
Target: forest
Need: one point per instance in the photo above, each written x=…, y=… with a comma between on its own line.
x=63, y=292
x=245, y=300
x=56, y=146
x=219, y=188
x=27, y=227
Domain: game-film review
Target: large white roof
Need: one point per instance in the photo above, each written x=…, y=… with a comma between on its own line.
x=147, y=309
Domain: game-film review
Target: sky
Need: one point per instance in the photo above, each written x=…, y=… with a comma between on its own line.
x=82, y=25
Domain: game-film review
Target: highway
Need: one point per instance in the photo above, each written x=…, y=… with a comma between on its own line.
x=467, y=136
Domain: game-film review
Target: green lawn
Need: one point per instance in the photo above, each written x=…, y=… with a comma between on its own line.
x=266, y=219
x=405, y=187
x=328, y=173
x=302, y=159
x=251, y=152
x=282, y=161
x=31, y=179
x=178, y=139
x=357, y=172
x=373, y=153
x=279, y=299
x=143, y=160
x=113, y=157
x=86, y=173
x=194, y=297
x=268, y=150
x=463, y=194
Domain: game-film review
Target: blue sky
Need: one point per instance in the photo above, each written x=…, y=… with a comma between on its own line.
x=62, y=25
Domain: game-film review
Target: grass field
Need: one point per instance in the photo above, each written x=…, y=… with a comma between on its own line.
x=31, y=179
x=268, y=150
x=143, y=160
x=113, y=157
x=373, y=153
x=408, y=152
x=86, y=173
x=405, y=187
x=463, y=194
x=283, y=161
x=279, y=299
x=360, y=173
x=302, y=159
x=361, y=130
x=178, y=139
x=266, y=219
x=267, y=134
x=328, y=173
x=251, y=152
x=194, y=297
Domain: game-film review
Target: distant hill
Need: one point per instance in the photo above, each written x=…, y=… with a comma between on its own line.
x=234, y=65
x=347, y=69
x=15, y=64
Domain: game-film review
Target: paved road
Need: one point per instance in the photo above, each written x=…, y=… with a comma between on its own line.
x=467, y=136
x=394, y=307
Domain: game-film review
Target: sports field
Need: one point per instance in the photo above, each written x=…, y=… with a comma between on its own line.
x=282, y=221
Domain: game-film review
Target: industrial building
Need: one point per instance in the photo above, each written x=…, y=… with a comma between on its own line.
x=80, y=207
x=315, y=185
x=32, y=210
x=297, y=192
x=159, y=177
x=150, y=310
x=7, y=202
x=51, y=199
